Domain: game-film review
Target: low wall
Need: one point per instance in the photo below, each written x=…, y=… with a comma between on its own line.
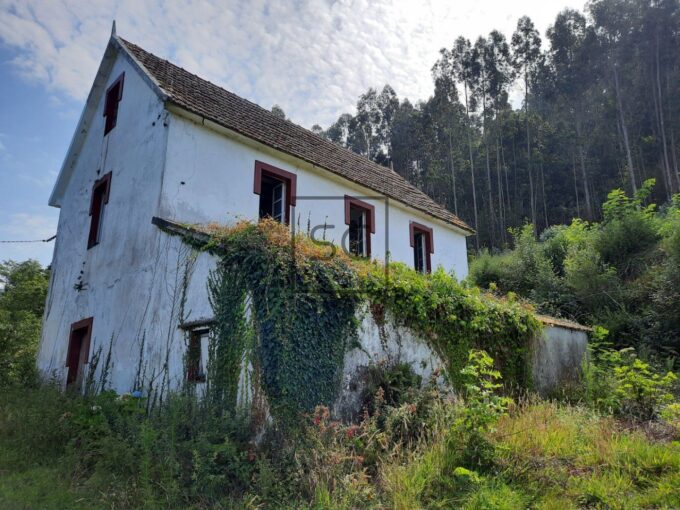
x=556, y=357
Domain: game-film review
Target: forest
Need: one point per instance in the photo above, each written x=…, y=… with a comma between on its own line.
x=598, y=110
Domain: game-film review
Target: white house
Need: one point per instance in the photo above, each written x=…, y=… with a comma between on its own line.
x=155, y=141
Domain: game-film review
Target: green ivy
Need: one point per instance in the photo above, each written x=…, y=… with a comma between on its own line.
x=303, y=310
x=455, y=318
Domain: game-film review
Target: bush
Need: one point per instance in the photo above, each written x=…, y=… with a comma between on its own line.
x=481, y=411
x=622, y=273
x=619, y=382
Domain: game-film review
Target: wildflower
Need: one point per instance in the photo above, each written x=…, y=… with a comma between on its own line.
x=96, y=409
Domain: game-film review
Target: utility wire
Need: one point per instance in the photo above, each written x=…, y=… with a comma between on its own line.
x=32, y=241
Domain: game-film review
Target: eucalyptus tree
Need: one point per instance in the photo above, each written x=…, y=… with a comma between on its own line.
x=500, y=76
x=446, y=100
x=463, y=64
x=480, y=92
x=526, y=56
x=660, y=28
x=613, y=23
x=569, y=53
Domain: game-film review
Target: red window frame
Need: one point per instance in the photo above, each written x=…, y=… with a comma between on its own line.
x=289, y=178
x=111, y=99
x=415, y=227
x=99, y=198
x=370, y=218
x=75, y=359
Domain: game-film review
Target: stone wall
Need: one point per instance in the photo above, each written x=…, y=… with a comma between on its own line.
x=556, y=358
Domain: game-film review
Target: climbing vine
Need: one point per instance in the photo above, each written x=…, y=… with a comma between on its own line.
x=302, y=309
x=455, y=318
x=302, y=315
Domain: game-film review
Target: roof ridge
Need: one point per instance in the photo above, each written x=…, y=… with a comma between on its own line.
x=279, y=119
x=319, y=151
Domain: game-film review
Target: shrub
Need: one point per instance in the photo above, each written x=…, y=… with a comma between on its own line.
x=481, y=411
x=619, y=382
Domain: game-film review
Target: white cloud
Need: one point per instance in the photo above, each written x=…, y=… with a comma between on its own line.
x=311, y=57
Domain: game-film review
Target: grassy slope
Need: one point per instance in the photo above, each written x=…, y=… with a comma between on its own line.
x=549, y=456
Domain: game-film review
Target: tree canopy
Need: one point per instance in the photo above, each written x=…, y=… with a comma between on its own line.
x=598, y=111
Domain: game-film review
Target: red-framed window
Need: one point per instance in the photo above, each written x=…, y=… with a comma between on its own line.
x=422, y=243
x=360, y=219
x=196, y=354
x=277, y=189
x=113, y=96
x=78, y=352
x=100, y=197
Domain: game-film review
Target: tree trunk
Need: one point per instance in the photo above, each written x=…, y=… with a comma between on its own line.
x=624, y=130
x=453, y=174
x=545, y=207
x=671, y=188
x=492, y=229
x=531, y=177
x=472, y=168
x=657, y=132
x=573, y=167
x=499, y=176
x=584, y=173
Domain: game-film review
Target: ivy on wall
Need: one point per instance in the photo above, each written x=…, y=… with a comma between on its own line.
x=302, y=309
x=455, y=318
x=303, y=314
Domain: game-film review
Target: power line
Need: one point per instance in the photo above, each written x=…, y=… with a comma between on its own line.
x=32, y=240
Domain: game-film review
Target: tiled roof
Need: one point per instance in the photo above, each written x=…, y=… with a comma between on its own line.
x=206, y=99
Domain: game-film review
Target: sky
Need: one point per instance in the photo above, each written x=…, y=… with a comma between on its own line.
x=312, y=58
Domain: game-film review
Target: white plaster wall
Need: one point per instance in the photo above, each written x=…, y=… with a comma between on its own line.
x=139, y=284
x=386, y=344
x=122, y=284
x=209, y=178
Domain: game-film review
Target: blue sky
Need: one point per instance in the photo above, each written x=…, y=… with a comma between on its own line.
x=313, y=58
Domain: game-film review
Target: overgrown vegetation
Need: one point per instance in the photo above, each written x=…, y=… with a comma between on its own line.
x=426, y=449
x=301, y=304
x=622, y=273
x=613, y=442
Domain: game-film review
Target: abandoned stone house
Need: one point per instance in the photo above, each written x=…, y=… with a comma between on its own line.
x=157, y=146
x=157, y=142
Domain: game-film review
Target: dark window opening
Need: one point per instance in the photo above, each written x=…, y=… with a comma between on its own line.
x=197, y=354
x=78, y=352
x=423, y=246
x=357, y=231
x=360, y=218
x=100, y=197
x=273, y=199
x=419, y=252
x=277, y=190
x=113, y=96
